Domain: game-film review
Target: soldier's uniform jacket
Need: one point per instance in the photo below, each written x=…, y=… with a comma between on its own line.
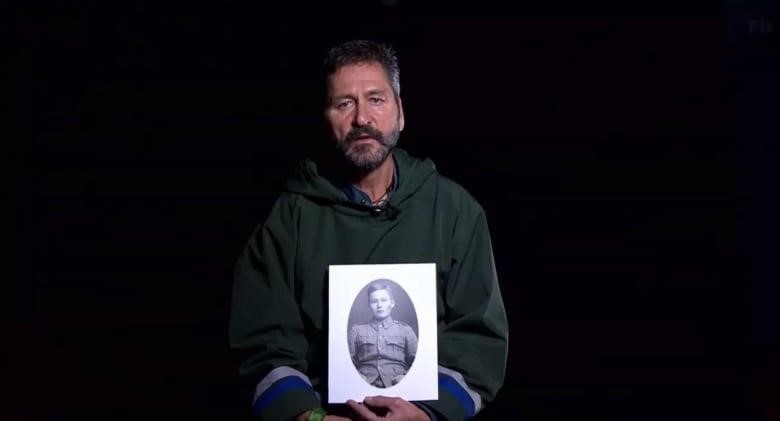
x=383, y=350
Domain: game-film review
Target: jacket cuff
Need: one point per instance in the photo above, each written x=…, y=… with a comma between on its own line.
x=283, y=394
x=456, y=400
x=428, y=411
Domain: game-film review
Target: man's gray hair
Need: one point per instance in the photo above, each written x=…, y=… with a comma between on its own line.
x=365, y=51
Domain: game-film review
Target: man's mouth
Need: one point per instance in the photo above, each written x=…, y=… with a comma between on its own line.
x=364, y=135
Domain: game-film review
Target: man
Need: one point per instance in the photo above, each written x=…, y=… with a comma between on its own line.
x=374, y=204
x=383, y=349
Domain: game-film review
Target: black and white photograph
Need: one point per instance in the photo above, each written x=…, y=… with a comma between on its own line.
x=383, y=333
x=382, y=336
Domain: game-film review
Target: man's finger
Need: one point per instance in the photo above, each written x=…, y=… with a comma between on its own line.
x=381, y=402
x=362, y=411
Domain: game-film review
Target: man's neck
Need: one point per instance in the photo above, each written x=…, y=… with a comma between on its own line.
x=375, y=183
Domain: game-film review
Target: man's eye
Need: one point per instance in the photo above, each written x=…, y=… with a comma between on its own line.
x=344, y=104
x=376, y=100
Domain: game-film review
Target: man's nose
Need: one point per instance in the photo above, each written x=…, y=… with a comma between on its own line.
x=362, y=117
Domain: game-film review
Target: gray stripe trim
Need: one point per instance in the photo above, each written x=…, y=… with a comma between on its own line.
x=462, y=383
x=277, y=374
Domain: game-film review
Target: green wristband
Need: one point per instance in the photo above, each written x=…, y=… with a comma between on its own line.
x=317, y=414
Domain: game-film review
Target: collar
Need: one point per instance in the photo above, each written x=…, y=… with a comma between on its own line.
x=386, y=323
x=355, y=195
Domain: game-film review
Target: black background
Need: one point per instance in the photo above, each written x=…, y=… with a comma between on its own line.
x=598, y=137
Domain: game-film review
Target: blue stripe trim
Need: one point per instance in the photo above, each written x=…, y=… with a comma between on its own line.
x=277, y=389
x=449, y=384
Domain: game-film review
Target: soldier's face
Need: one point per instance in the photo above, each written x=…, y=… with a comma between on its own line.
x=381, y=304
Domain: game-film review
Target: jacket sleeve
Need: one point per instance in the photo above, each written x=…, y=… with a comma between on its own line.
x=353, y=344
x=473, y=338
x=411, y=345
x=266, y=331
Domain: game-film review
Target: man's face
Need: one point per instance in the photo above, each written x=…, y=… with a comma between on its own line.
x=363, y=113
x=381, y=304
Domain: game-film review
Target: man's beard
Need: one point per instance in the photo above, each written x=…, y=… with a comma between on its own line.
x=366, y=157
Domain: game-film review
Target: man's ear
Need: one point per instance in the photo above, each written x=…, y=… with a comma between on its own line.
x=400, y=114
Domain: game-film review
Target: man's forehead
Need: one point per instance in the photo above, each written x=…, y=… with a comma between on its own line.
x=367, y=75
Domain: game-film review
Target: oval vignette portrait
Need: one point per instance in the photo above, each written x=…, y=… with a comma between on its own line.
x=382, y=333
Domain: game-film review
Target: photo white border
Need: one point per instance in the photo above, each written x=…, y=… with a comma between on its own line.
x=419, y=282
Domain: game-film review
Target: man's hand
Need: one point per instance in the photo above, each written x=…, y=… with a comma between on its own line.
x=389, y=408
x=304, y=416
